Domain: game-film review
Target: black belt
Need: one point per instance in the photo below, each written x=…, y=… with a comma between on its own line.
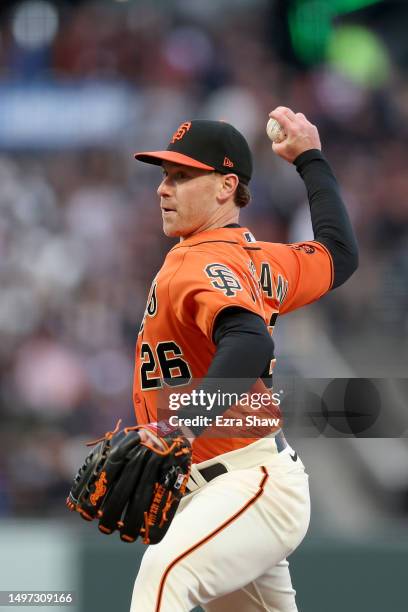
x=212, y=471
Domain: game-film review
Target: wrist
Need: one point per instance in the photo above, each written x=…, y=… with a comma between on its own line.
x=306, y=157
x=164, y=428
x=187, y=433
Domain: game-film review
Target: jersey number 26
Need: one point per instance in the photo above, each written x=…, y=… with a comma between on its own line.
x=174, y=370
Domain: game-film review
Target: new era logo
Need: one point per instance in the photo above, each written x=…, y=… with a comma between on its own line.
x=228, y=163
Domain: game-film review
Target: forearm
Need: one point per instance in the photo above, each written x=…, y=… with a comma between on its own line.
x=330, y=220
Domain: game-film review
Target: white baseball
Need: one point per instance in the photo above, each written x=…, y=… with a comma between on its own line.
x=275, y=131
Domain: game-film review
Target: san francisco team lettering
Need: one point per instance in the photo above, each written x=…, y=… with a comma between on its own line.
x=151, y=306
x=225, y=280
x=278, y=289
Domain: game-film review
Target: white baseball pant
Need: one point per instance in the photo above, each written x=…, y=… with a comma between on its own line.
x=226, y=548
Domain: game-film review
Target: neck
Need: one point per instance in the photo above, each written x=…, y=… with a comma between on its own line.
x=231, y=216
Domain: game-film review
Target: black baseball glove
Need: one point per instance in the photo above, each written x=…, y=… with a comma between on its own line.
x=133, y=481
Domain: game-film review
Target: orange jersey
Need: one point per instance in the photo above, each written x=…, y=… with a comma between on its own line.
x=200, y=277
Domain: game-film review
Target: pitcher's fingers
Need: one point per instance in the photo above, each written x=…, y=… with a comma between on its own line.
x=286, y=111
x=282, y=119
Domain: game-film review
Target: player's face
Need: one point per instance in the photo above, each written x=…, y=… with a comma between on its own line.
x=188, y=199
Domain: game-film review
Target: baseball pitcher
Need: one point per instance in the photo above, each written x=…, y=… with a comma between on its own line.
x=213, y=486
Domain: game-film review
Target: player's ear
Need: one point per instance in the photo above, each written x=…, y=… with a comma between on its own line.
x=227, y=187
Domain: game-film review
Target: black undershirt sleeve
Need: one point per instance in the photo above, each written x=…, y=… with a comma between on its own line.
x=244, y=345
x=330, y=220
x=244, y=351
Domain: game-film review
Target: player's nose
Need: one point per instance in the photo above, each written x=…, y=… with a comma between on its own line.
x=164, y=189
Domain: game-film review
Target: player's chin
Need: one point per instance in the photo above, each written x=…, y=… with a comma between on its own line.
x=171, y=230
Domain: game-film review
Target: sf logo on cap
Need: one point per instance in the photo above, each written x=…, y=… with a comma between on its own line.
x=180, y=132
x=224, y=279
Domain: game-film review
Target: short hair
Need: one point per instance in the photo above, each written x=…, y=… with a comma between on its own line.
x=242, y=195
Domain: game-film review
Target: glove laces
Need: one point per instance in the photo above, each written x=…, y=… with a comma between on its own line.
x=108, y=435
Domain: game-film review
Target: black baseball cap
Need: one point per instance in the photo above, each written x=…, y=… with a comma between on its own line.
x=205, y=144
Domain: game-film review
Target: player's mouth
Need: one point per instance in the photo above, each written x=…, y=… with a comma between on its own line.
x=167, y=209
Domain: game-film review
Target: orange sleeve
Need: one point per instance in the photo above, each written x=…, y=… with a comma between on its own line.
x=207, y=283
x=308, y=269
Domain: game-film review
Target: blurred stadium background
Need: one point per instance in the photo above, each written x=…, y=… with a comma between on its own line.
x=83, y=85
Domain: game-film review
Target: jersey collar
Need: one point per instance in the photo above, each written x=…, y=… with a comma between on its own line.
x=230, y=233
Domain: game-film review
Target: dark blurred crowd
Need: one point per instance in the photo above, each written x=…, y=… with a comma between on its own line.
x=80, y=230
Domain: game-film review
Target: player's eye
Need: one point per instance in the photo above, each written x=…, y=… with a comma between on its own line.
x=176, y=175
x=179, y=175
